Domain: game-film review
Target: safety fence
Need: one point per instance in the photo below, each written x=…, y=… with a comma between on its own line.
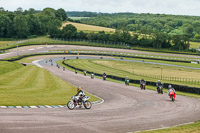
x=168, y=78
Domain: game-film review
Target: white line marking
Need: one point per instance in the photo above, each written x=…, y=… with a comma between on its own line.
x=3, y=107
x=31, y=49
x=49, y=46
x=48, y=106
x=35, y=62
x=33, y=107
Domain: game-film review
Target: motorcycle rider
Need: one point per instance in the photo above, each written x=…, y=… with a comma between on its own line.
x=104, y=75
x=158, y=84
x=84, y=72
x=76, y=70
x=80, y=94
x=170, y=88
x=126, y=80
x=92, y=75
x=142, y=81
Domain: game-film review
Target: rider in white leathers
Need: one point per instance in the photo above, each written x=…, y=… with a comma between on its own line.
x=80, y=94
x=170, y=88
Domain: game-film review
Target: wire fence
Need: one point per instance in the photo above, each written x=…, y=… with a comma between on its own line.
x=169, y=78
x=94, y=42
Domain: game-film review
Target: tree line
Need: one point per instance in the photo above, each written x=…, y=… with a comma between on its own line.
x=149, y=23
x=157, y=40
x=30, y=23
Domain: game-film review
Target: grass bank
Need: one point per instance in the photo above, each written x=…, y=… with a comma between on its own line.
x=31, y=85
x=190, y=128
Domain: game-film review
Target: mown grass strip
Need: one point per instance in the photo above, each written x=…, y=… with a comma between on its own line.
x=190, y=128
x=31, y=85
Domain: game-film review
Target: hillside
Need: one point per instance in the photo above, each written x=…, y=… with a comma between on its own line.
x=148, y=23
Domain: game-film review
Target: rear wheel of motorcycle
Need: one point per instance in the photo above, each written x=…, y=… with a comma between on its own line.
x=172, y=98
x=71, y=105
x=161, y=91
x=87, y=104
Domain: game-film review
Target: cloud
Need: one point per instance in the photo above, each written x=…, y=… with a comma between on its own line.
x=183, y=7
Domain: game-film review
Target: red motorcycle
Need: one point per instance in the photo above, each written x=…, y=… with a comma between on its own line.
x=172, y=95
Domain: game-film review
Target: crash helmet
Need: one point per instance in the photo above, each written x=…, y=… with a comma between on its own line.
x=79, y=89
x=170, y=86
x=158, y=80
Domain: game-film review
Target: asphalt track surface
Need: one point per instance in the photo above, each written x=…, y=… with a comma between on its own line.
x=125, y=109
x=41, y=48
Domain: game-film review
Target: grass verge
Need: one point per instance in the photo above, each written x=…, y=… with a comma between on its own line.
x=190, y=128
x=31, y=85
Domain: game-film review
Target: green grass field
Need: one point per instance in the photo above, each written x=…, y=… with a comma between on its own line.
x=137, y=70
x=78, y=18
x=85, y=27
x=190, y=128
x=6, y=43
x=31, y=85
x=194, y=45
x=119, y=73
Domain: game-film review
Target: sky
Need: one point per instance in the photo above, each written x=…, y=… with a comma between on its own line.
x=176, y=7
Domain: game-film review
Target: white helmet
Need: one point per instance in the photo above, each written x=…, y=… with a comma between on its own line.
x=170, y=86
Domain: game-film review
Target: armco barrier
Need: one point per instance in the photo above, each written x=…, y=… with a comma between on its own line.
x=165, y=85
x=135, y=57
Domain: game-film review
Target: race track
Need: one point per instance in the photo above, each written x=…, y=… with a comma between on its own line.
x=125, y=109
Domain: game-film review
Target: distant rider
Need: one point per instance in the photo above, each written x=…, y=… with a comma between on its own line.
x=84, y=72
x=76, y=70
x=158, y=84
x=142, y=81
x=104, y=76
x=92, y=75
x=170, y=88
x=126, y=80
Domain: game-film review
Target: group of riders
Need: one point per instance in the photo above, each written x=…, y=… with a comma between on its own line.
x=81, y=94
x=143, y=83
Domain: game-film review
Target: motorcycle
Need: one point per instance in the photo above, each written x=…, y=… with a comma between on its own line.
x=104, y=77
x=142, y=86
x=127, y=82
x=92, y=76
x=76, y=101
x=160, y=89
x=84, y=73
x=172, y=95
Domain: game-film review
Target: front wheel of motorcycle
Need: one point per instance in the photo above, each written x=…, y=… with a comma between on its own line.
x=71, y=105
x=87, y=104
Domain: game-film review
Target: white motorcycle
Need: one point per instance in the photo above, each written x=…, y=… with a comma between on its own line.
x=76, y=100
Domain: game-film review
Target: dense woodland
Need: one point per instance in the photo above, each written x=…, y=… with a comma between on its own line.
x=149, y=23
x=30, y=23
x=158, y=31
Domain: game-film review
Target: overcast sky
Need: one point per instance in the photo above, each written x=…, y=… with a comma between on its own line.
x=180, y=7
